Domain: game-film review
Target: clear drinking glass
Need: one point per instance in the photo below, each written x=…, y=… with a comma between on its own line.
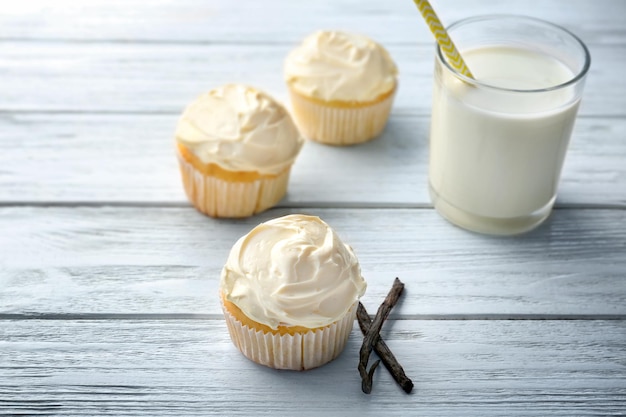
x=497, y=142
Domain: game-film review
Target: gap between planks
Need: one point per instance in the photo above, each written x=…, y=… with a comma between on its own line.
x=348, y=205
x=397, y=113
x=413, y=317
x=204, y=42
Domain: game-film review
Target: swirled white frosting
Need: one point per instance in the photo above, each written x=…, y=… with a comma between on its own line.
x=292, y=271
x=332, y=65
x=240, y=129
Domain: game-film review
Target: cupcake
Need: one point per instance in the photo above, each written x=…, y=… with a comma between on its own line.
x=236, y=146
x=289, y=293
x=341, y=86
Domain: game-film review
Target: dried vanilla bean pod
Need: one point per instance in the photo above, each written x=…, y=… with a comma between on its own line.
x=373, y=334
x=383, y=351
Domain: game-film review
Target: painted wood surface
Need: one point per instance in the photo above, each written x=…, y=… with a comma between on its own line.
x=121, y=77
x=190, y=367
x=108, y=278
x=168, y=260
x=276, y=21
x=94, y=158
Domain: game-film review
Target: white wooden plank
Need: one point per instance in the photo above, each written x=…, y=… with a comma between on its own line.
x=281, y=21
x=91, y=93
x=127, y=77
x=130, y=158
x=182, y=367
x=167, y=260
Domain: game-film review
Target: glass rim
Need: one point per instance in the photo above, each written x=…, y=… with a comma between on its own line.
x=577, y=77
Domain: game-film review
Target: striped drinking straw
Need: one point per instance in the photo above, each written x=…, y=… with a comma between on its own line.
x=444, y=41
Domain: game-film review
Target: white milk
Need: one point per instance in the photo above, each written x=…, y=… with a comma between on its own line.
x=496, y=155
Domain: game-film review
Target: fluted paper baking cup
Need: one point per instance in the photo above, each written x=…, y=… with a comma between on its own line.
x=299, y=351
x=340, y=124
x=221, y=198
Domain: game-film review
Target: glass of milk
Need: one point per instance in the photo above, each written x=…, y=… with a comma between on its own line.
x=498, y=141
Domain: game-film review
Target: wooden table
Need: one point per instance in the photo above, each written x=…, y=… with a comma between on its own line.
x=108, y=278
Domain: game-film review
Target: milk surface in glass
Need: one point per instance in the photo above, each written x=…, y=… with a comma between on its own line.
x=496, y=156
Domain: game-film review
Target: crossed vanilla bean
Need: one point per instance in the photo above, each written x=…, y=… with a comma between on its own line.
x=371, y=339
x=385, y=354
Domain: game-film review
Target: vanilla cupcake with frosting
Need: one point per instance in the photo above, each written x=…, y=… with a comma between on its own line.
x=236, y=146
x=289, y=292
x=341, y=86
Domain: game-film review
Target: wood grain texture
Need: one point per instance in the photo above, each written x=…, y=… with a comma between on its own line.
x=168, y=260
x=276, y=21
x=157, y=78
x=130, y=158
x=108, y=279
x=190, y=367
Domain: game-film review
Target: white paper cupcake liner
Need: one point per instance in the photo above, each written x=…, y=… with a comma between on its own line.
x=295, y=352
x=340, y=125
x=220, y=198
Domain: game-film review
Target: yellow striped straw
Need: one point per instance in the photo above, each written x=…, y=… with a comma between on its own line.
x=444, y=41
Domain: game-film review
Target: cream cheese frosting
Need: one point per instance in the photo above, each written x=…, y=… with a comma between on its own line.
x=333, y=65
x=292, y=271
x=240, y=128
